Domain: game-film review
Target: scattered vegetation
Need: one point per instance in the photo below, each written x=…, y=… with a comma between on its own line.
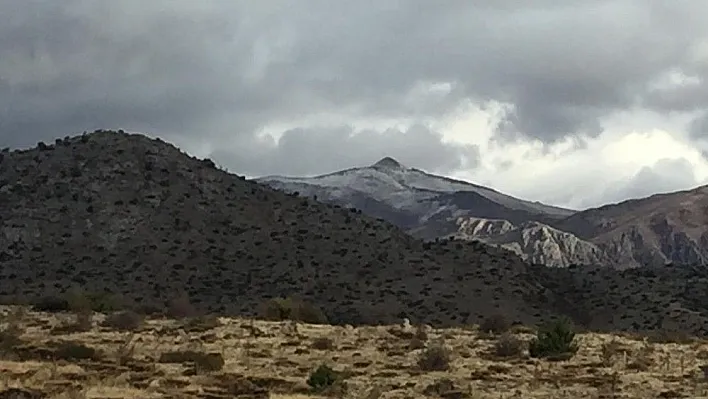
x=434, y=358
x=555, y=340
x=667, y=336
x=495, y=324
x=105, y=360
x=75, y=351
x=10, y=334
x=202, y=361
x=322, y=378
x=609, y=352
x=201, y=323
x=323, y=343
x=126, y=320
x=181, y=307
x=508, y=345
x=51, y=304
x=77, y=299
x=125, y=352
x=643, y=360
x=279, y=309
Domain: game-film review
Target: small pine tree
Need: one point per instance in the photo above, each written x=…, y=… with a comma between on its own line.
x=555, y=339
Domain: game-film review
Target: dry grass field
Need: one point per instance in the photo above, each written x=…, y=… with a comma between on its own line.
x=74, y=356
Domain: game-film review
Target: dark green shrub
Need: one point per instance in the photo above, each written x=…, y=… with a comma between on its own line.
x=555, y=339
x=323, y=377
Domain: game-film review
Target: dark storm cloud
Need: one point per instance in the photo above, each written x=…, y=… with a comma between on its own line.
x=220, y=72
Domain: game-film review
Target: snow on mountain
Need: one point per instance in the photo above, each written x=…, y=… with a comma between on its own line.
x=430, y=206
x=401, y=187
x=656, y=230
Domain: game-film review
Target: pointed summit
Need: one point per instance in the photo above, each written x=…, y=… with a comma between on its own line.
x=388, y=162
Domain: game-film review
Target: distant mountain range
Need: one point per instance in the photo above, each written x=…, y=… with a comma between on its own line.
x=658, y=230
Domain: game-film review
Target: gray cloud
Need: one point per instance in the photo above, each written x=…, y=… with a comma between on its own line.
x=220, y=72
x=310, y=151
x=666, y=175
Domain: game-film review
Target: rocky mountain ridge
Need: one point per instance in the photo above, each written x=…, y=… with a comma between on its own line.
x=650, y=231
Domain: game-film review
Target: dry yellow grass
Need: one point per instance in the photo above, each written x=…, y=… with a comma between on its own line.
x=278, y=358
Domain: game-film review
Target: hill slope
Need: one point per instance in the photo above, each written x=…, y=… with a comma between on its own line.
x=128, y=214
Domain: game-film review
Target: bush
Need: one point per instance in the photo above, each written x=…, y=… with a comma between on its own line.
x=9, y=338
x=434, y=358
x=279, y=309
x=102, y=302
x=323, y=343
x=124, y=321
x=180, y=308
x=51, y=304
x=496, y=324
x=554, y=340
x=201, y=323
x=83, y=322
x=75, y=351
x=323, y=377
x=202, y=361
x=76, y=300
x=508, y=345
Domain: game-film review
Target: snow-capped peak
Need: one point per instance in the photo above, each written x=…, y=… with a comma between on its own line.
x=388, y=162
x=401, y=187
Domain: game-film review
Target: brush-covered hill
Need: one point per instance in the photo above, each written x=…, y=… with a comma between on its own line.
x=127, y=214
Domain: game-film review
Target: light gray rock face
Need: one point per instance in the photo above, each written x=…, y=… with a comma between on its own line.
x=533, y=241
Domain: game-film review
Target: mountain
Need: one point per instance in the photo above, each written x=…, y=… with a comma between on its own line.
x=110, y=212
x=122, y=213
x=429, y=206
x=658, y=230
x=661, y=229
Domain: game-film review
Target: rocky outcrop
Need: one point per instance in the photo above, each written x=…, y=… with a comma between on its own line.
x=533, y=241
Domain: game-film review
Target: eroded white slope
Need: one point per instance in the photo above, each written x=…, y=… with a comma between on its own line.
x=532, y=241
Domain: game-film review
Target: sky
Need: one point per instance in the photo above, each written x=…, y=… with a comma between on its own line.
x=572, y=103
